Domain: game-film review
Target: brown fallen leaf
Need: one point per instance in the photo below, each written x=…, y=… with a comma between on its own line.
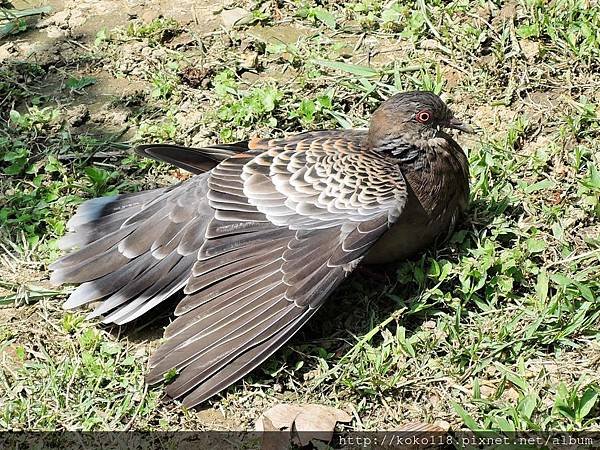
x=273, y=438
x=301, y=423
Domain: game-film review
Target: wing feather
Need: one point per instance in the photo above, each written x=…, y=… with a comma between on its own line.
x=273, y=252
x=140, y=263
x=256, y=245
x=246, y=362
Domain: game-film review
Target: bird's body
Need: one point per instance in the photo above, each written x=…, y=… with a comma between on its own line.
x=263, y=233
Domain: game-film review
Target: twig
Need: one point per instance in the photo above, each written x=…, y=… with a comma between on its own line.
x=574, y=258
x=137, y=410
x=433, y=30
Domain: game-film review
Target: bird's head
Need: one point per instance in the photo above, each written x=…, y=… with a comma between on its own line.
x=411, y=117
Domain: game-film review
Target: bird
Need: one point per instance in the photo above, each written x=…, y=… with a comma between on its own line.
x=261, y=233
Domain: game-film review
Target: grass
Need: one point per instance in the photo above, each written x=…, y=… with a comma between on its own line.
x=496, y=329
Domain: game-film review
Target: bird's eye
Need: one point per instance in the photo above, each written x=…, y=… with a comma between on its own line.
x=423, y=116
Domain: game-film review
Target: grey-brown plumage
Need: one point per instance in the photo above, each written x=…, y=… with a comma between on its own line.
x=263, y=233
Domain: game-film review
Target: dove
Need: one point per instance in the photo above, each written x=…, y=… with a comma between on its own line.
x=262, y=233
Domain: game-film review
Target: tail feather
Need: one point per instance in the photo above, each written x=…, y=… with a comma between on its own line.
x=100, y=288
x=100, y=207
x=126, y=249
x=194, y=160
x=155, y=270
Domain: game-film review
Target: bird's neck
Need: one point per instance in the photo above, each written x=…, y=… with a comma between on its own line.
x=423, y=160
x=410, y=152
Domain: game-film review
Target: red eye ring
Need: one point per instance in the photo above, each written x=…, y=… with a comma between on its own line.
x=423, y=116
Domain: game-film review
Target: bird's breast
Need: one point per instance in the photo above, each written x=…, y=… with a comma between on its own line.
x=436, y=199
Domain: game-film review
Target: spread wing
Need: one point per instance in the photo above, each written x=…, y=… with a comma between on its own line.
x=291, y=219
x=256, y=244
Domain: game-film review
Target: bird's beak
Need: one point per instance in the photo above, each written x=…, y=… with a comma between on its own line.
x=458, y=125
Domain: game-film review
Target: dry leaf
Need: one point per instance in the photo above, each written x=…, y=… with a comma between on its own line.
x=280, y=417
x=273, y=439
x=232, y=17
x=300, y=422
